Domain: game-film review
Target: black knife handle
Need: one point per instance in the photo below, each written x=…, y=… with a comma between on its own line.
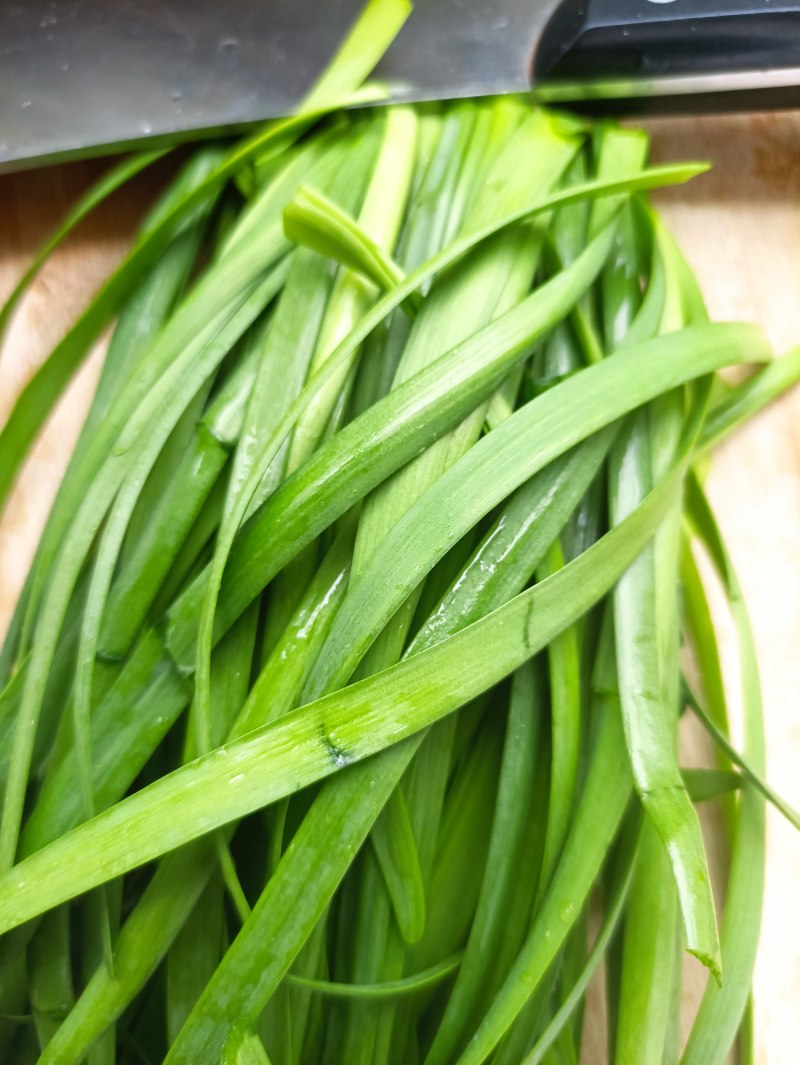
x=730, y=44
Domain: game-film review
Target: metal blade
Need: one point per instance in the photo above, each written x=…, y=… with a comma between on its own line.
x=79, y=77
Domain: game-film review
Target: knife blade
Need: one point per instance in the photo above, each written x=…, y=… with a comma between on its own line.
x=81, y=77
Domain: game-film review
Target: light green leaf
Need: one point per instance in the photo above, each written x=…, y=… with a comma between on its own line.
x=323, y=737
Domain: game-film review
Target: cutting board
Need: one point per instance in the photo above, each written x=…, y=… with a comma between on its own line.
x=740, y=229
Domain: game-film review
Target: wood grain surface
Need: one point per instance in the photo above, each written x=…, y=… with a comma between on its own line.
x=740, y=229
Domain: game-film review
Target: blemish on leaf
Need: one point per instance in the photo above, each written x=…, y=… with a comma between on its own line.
x=338, y=755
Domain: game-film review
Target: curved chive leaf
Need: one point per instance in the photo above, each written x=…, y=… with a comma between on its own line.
x=721, y=1009
x=390, y=989
x=322, y=737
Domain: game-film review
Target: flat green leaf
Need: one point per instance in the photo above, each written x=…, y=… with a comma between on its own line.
x=563, y=656
x=646, y=622
x=511, y=810
x=602, y=803
x=500, y=462
x=648, y=955
x=408, y=985
x=705, y=784
x=323, y=737
x=98, y=192
x=754, y=778
x=243, y=1048
x=349, y=180
x=193, y=956
x=721, y=1009
x=396, y=850
x=371, y=35
x=517, y=541
x=152, y=421
x=741, y=402
x=50, y=981
x=141, y=318
x=370, y=448
x=612, y=912
x=493, y=279
x=180, y=879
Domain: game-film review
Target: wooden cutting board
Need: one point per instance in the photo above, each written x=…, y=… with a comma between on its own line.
x=740, y=229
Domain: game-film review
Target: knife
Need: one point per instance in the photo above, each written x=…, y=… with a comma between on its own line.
x=82, y=77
